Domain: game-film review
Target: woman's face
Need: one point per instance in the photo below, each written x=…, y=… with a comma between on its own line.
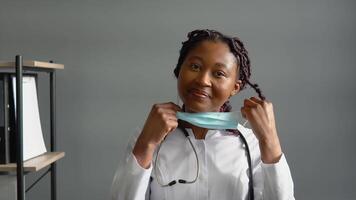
x=208, y=77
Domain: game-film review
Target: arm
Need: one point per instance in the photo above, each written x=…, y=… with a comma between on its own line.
x=131, y=180
x=277, y=180
x=276, y=176
x=278, y=183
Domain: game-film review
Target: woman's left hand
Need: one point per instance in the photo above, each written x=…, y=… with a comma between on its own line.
x=260, y=115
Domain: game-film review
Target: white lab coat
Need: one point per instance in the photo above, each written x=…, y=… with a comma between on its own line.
x=223, y=170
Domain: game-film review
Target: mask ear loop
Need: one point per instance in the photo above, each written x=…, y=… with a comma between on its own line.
x=178, y=100
x=245, y=123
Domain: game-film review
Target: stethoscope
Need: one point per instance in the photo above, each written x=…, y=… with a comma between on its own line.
x=182, y=181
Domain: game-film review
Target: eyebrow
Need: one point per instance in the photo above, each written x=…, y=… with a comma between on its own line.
x=216, y=64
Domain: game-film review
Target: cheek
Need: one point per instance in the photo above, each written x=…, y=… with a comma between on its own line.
x=223, y=90
x=181, y=84
x=184, y=78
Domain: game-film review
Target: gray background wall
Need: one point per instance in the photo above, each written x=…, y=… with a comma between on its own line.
x=119, y=57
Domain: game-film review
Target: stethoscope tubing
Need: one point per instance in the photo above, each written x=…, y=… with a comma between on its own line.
x=171, y=183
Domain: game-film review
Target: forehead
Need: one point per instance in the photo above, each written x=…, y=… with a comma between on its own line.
x=215, y=51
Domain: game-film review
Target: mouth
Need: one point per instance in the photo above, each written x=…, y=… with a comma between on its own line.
x=198, y=93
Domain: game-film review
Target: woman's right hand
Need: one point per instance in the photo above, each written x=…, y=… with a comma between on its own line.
x=160, y=122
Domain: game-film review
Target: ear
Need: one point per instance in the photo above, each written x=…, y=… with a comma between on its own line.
x=237, y=88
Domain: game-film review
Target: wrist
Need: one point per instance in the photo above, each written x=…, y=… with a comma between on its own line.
x=143, y=151
x=144, y=146
x=271, y=150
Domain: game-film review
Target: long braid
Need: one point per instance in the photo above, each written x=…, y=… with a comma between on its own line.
x=245, y=67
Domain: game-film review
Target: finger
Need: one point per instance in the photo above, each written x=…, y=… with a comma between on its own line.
x=247, y=113
x=257, y=100
x=169, y=116
x=164, y=110
x=167, y=113
x=168, y=125
x=172, y=125
x=250, y=103
x=171, y=105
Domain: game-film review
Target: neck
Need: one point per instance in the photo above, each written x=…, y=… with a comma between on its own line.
x=199, y=132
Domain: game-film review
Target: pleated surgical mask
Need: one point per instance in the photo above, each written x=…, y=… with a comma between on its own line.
x=212, y=120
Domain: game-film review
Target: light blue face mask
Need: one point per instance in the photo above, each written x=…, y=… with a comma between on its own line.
x=212, y=120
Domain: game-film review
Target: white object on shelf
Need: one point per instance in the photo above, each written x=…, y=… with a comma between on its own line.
x=33, y=142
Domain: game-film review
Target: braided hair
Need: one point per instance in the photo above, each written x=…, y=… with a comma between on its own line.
x=237, y=48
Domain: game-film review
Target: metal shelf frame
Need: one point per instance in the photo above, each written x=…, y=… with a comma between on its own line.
x=19, y=127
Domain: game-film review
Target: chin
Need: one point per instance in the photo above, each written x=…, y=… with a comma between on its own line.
x=197, y=108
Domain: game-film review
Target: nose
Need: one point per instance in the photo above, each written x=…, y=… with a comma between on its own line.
x=203, y=79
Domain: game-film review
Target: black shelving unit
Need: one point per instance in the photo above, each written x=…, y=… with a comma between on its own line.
x=48, y=158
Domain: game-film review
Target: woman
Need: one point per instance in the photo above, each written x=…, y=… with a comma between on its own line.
x=175, y=159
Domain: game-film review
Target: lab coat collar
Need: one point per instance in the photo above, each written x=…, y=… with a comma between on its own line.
x=211, y=134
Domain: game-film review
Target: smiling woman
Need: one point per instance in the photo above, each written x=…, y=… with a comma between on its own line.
x=207, y=77
x=222, y=164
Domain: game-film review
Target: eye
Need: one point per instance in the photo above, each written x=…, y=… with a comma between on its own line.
x=219, y=74
x=195, y=67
